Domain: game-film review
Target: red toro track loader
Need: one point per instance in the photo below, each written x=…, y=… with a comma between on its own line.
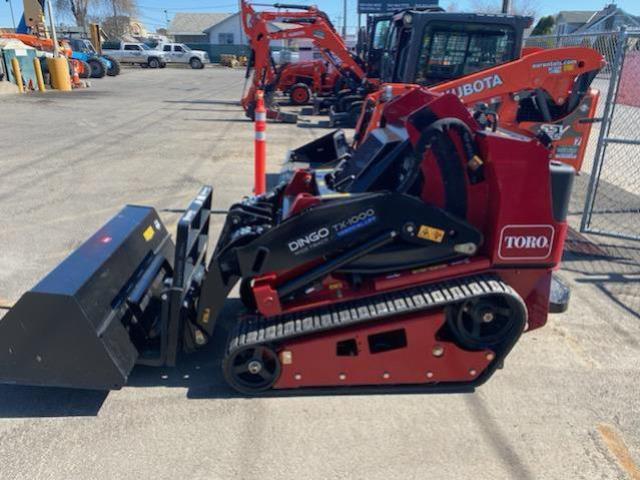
x=262, y=27
x=546, y=93
x=420, y=272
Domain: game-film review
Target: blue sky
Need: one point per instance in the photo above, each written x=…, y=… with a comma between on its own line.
x=153, y=15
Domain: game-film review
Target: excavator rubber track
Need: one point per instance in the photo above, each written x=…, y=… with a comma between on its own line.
x=257, y=329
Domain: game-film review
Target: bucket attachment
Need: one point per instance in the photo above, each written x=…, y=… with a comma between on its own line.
x=323, y=152
x=73, y=329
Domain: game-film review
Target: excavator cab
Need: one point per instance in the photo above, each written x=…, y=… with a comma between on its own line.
x=431, y=47
x=377, y=31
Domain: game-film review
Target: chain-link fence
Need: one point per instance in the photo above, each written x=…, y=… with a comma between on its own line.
x=606, y=198
x=612, y=162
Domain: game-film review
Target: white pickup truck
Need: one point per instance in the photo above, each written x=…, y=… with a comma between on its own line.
x=180, y=53
x=136, y=53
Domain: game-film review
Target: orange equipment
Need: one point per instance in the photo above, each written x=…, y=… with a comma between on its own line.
x=544, y=92
x=264, y=26
x=260, y=146
x=46, y=45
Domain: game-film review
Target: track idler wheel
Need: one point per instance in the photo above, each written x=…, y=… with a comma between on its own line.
x=252, y=369
x=483, y=322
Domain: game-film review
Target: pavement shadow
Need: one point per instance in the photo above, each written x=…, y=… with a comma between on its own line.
x=33, y=402
x=497, y=439
x=206, y=102
x=220, y=120
x=318, y=124
x=613, y=267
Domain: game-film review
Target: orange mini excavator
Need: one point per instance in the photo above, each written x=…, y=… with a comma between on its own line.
x=299, y=80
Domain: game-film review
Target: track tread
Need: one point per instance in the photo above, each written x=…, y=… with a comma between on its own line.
x=257, y=329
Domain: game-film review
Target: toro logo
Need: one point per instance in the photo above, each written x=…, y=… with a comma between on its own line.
x=526, y=242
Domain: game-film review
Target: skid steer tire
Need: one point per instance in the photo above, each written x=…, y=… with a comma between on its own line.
x=299, y=94
x=115, y=66
x=97, y=68
x=86, y=70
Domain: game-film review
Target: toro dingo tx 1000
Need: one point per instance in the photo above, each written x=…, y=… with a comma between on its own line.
x=422, y=273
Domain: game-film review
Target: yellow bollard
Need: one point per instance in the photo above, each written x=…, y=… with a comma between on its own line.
x=39, y=77
x=59, y=71
x=15, y=64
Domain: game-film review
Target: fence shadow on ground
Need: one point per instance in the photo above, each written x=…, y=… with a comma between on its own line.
x=612, y=266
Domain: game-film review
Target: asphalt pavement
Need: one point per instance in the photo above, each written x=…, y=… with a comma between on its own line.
x=565, y=406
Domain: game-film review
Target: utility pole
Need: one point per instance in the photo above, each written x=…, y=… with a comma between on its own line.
x=506, y=6
x=13, y=19
x=115, y=19
x=54, y=36
x=166, y=17
x=344, y=19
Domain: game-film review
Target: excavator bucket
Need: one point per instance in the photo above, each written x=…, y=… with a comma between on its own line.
x=71, y=329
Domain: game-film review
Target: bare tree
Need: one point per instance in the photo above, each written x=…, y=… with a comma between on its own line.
x=118, y=13
x=77, y=8
x=519, y=7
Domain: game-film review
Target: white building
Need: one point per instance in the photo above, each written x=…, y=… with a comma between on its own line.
x=227, y=31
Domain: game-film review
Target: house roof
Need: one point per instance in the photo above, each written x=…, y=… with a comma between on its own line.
x=570, y=16
x=194, y=23
x=228, y=15
x=609, y=11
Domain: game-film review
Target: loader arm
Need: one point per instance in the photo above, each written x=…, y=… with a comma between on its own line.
x=545, y=91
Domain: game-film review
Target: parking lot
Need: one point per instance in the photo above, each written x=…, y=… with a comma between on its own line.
x=565, y=406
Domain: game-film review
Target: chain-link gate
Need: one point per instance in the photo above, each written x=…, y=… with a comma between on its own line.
x=612, y=205
x=612, y=197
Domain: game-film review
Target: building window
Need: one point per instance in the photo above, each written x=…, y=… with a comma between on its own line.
x=225, y=38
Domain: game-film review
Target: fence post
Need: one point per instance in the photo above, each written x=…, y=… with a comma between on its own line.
x=605, y=128
x=260, y=157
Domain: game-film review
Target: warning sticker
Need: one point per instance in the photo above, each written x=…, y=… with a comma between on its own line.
x=567, y=151
x=431, y=233
x=148, y=233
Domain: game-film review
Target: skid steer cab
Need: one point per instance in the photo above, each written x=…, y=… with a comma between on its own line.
x=418, y=271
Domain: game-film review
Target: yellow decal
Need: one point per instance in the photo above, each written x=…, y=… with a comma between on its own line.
x=431, y=233
x=149, y=233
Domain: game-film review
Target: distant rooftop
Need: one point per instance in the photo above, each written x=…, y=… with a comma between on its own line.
x=194, y=23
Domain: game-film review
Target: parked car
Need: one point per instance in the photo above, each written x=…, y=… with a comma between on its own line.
x=135, y=53
x=180, y=53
